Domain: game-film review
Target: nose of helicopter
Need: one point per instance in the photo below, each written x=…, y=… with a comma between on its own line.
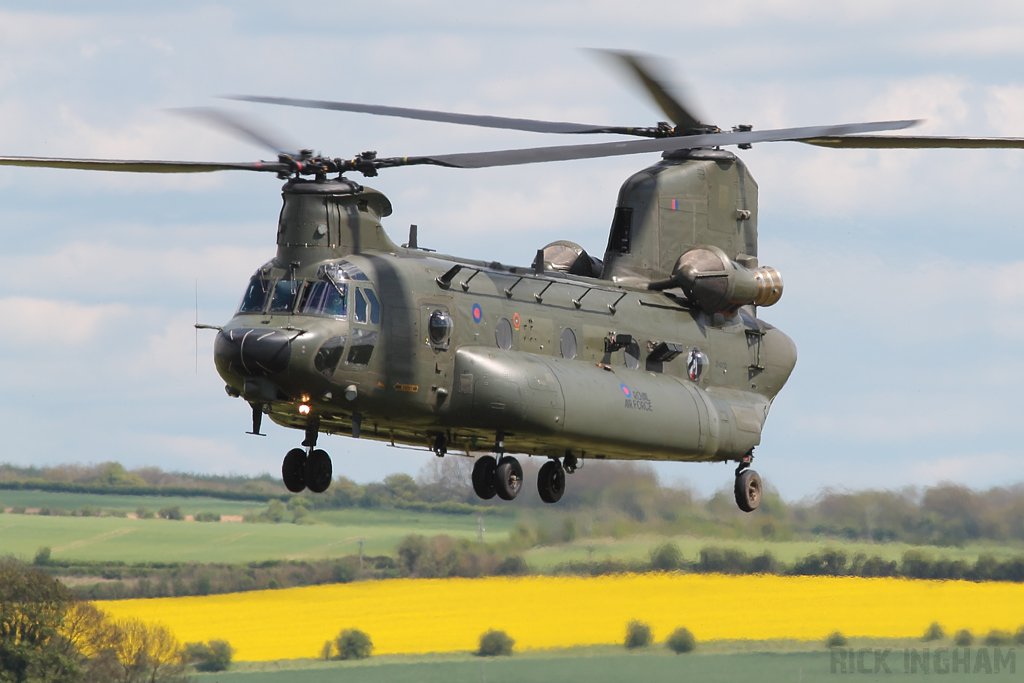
x=252, y=352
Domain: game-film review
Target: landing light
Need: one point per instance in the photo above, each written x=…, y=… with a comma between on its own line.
x=304, y=409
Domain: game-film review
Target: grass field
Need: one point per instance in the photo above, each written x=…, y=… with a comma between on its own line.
x=638, y=547
x=75, y=501
x=406, y=616
x=158, y=540
x=337, y=533
x=590, y=665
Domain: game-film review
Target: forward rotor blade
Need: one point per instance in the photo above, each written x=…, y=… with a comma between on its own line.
x=530, y=125
x=913, y=142
x=647, y=72
x=535, y=155
x=240, y=127
x=138, y=166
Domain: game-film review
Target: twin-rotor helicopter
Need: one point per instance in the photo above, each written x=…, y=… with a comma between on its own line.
x=655, y=352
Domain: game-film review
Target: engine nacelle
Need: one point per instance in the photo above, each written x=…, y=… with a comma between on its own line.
x=720, y=285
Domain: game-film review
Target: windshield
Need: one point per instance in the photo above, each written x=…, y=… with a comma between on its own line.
x=326, y=299
x=285, y=292
x=255, y=297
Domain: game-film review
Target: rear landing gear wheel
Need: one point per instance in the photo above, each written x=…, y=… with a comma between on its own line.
x=293, y=470
x=748, y=490
x=483, y=477
x=508, y=478
x=551, y=481
x=318, y=471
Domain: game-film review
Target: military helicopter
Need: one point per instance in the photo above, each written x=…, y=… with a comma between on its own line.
x=655, y=352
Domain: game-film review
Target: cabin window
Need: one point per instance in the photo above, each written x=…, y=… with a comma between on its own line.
x=568, y=344
x=503, y=334
x=439, y=327
x=633, y=355
x=255, y=298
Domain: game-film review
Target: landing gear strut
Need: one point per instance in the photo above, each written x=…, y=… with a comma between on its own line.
x=748, y=485
x=307, y=468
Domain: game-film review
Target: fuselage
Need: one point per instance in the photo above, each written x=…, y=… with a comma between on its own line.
x=412, y=345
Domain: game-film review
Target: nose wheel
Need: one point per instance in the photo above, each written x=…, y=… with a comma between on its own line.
x=293, y=470
x=301, y=470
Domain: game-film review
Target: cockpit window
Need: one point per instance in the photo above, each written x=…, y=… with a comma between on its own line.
x=367, y=307
x=360, y=306
x=342, y=270
x=255, y=297
x=285, y=292
x=371, y=299
x=326, y=299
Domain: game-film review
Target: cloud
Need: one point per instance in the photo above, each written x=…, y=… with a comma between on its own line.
x=35, y=323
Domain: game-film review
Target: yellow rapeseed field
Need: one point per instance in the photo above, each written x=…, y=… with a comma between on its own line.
x=444, y=615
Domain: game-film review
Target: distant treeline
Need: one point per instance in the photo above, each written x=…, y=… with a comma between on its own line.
x=132, y=490
x=446, y=557
x=601, y=499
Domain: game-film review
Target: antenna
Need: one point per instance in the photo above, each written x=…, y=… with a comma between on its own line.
x=197, y=326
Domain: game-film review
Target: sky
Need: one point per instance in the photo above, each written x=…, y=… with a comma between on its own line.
x=904, y=269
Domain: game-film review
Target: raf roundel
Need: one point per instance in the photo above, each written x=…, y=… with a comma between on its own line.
x=626, y=390
x=478, y=313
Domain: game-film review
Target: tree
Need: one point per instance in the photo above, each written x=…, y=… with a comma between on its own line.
x=638, y=634
x=352, y=643
x=835, y=639
x=963, y=638
x=933, y=632
x=114, y=474
x=42, y=556
x=410, y=549
x=172, y=512
x=32, y=608
x=666, y=557
x=681, y=641
x=213, y=655
x=401, y=486
x=495, y=644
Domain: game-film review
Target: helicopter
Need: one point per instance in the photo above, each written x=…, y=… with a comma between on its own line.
x=654, y=352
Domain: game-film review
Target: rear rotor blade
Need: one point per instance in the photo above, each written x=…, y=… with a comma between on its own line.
x=568, y=152
x=913, y=142
x=530, y=125
x=139, y=166
x=647, y=72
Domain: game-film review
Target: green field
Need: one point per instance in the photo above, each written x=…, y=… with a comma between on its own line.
x=157, y=540
x=336, y=533
x=76, y=501
x=639, y=547
x=725, y=662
